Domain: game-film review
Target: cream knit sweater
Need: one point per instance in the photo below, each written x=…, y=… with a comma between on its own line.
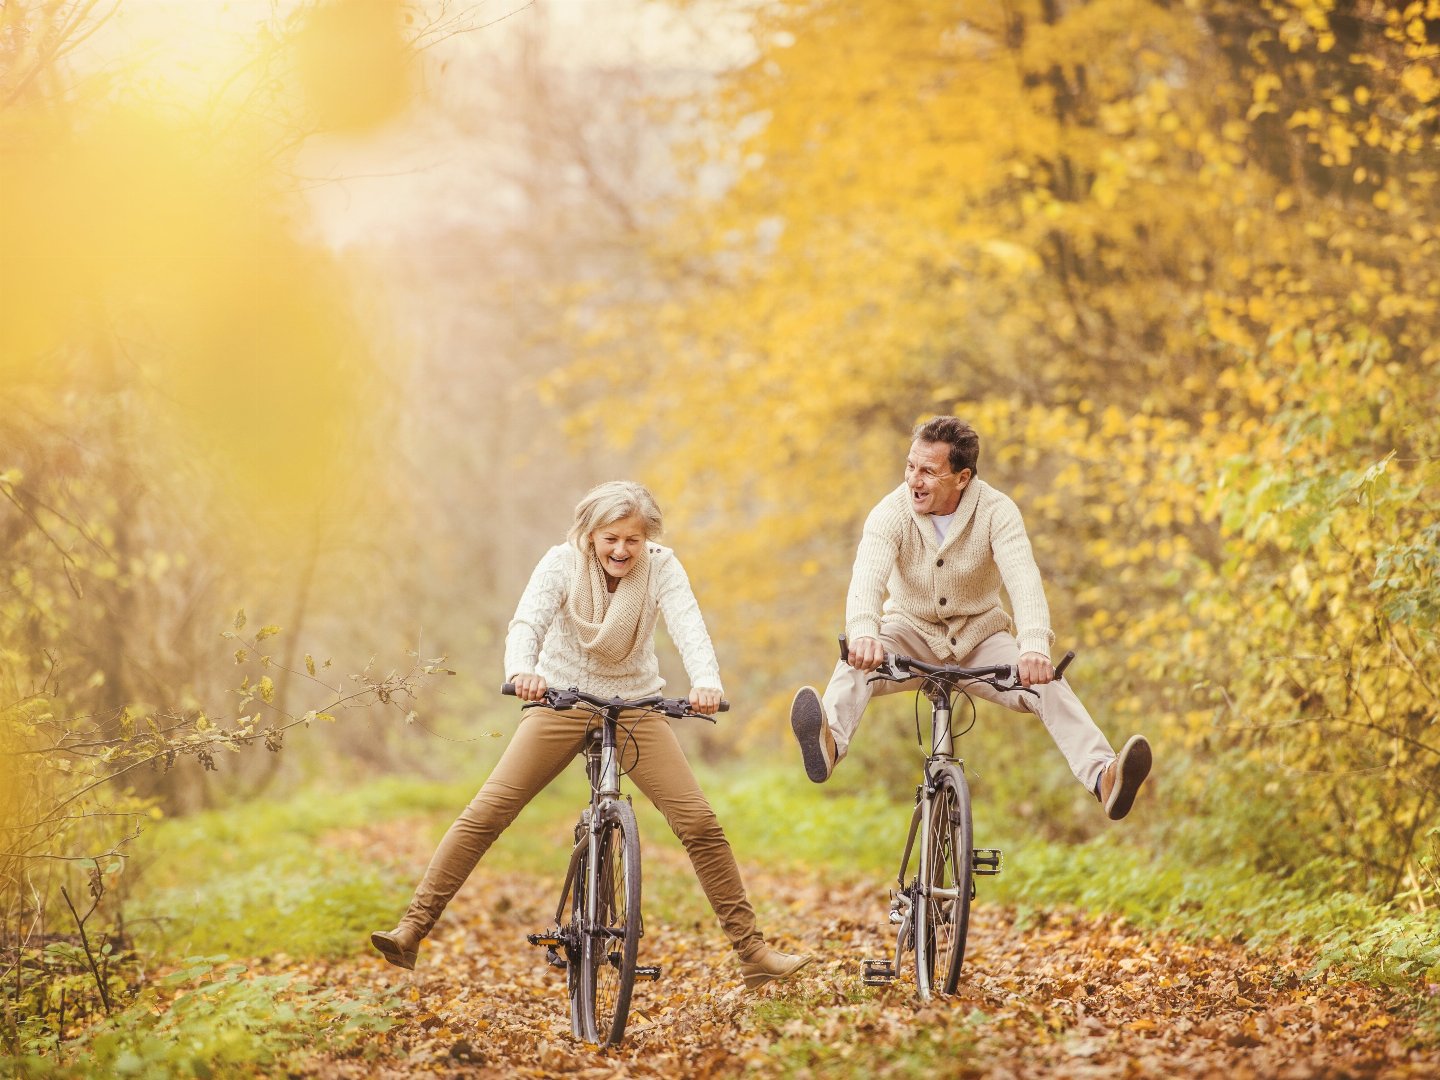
x=543, y=640
x=949, y=593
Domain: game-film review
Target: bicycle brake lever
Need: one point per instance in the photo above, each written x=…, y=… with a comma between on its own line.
x=887, y=672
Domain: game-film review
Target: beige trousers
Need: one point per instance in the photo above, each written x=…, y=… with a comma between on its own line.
x=544, y=744
x=1085, y=748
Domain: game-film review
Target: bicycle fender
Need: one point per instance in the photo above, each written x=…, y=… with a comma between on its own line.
x=909, y=843
x=570, y=872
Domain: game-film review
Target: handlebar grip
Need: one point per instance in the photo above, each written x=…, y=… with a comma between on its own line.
x=724, y=706
x=1064, y=663
x=844, y=649
x=508, y=689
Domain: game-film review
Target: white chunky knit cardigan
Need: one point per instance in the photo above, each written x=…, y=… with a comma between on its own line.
x=543, y=639
x=949, y=593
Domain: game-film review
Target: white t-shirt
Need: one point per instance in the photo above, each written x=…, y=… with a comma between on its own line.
x=942, y=524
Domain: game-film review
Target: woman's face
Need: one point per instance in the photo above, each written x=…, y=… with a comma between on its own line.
x=618, y=544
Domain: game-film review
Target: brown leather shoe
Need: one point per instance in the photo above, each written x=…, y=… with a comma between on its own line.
x=1123, y=776
x=812, y=732
x=767, y=964
x=399, y=946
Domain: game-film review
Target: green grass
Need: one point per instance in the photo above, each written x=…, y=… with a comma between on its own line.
x=254, y=880
x=235, y=880
x=265, y=878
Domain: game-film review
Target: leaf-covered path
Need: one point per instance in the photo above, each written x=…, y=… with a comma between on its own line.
x=1060, y=996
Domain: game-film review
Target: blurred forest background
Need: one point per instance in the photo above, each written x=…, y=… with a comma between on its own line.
x=317, y=318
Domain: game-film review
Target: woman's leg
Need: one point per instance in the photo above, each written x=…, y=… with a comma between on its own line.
x=543, y=745
x=663, y=774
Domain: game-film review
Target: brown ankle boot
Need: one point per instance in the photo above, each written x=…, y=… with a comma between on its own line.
x=399, y=946
x=766, y=964
x=1123, y=776
x=812, y=732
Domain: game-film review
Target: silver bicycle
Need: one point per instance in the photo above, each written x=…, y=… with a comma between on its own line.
x=930, y=907
x=598, y=925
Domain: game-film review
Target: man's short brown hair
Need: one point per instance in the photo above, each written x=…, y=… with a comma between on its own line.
x=962, y=439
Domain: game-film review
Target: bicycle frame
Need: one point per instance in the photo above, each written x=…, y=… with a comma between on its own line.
x=602, y=766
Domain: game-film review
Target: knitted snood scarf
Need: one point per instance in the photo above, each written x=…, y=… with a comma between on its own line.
x=612, y=633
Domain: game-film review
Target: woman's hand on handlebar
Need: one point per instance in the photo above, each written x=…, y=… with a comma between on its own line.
x=1035, y=669
x=866, y=654
x=705, y=700
x=529, y=687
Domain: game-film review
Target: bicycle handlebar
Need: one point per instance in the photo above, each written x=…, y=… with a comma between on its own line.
x=900, y=668
x=568, y=699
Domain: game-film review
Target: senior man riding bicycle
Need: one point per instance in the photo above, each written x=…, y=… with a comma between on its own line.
x=942, y=544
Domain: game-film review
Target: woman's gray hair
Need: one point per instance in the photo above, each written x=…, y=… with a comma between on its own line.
x=607, y=503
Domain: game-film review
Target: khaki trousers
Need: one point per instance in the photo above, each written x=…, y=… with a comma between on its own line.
x=544, y=744
x=1085, y=748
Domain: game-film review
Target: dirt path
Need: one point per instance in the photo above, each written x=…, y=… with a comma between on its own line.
x=1065, y=996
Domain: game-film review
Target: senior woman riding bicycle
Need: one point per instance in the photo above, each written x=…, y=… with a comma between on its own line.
x=587, y=618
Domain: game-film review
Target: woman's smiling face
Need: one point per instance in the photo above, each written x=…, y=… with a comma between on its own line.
x=618, y=544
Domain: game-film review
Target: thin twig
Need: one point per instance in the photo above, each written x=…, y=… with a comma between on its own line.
x=85, y=941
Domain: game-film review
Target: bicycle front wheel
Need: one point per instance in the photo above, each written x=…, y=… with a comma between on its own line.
x=611, y=936
x=946, y=882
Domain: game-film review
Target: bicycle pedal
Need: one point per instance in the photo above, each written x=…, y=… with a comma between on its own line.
x=649, y=974
x=986, y=861
x=878, y=973
x=550, y=940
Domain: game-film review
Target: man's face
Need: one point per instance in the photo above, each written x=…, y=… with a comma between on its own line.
x=934, y=489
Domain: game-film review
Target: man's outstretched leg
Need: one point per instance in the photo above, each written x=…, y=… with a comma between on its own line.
x=824, y=726
x=1113, y=778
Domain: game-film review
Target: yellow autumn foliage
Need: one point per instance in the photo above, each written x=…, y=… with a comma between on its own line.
x=1177, y=262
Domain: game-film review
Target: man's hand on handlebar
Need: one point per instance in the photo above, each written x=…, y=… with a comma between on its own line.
x=705, y=700
x=1035, y=669
x=530, y=687
x=866, y=654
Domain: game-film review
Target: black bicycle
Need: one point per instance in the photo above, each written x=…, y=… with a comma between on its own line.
x=931, y=906
x=598, y=926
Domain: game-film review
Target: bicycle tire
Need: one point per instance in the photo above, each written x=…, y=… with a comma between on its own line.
x=576, y=887
x=609, y=944
x=947, y=884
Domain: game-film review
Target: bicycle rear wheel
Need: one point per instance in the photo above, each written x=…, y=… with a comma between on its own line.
x=610, y=941
x=946, y=883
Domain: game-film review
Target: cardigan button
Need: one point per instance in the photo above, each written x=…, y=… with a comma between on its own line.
x=954, y=641
x=942, y=601
x=939, y=562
